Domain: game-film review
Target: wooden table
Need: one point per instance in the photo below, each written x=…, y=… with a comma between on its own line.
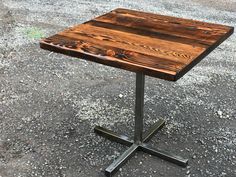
x=148, y=44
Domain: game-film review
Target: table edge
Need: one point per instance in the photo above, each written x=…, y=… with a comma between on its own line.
x=84, y=56
x=188, y=67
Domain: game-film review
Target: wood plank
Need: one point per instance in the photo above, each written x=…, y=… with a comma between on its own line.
x=115, y=52
x=162, y=26
x=110, y=61
x=171, y=19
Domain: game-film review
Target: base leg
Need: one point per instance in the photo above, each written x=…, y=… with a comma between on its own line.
x=153, y=130
x=165, y=155
x=122, y=139
x=121, y=160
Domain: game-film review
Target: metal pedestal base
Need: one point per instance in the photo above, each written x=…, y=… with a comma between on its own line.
x=137, y=147
x=140, y=139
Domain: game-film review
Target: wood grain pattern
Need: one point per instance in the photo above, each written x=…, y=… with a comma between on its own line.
x=157, y=45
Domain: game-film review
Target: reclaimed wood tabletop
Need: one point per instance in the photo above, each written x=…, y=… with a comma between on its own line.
x=157, y=45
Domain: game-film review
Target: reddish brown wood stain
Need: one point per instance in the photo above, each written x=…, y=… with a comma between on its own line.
x=157, y=45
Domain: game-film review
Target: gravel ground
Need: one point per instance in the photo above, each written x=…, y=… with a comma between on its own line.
x=49, y=103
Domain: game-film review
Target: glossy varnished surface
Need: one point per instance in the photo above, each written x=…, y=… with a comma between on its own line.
x=160, y=46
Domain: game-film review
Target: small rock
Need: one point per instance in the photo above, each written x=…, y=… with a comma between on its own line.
x=223, y=174
x=201, y=141
x=120, y=96
x=220, y=113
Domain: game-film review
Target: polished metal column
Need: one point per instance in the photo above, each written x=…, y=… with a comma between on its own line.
x=139, y=103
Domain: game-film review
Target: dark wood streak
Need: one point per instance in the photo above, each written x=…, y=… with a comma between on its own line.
x=204, y=36
x=173, y=20
x=156, y=45
x=62, y=41
x=150, y=33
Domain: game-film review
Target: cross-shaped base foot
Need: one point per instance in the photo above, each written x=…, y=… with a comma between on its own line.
x=137, y=147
